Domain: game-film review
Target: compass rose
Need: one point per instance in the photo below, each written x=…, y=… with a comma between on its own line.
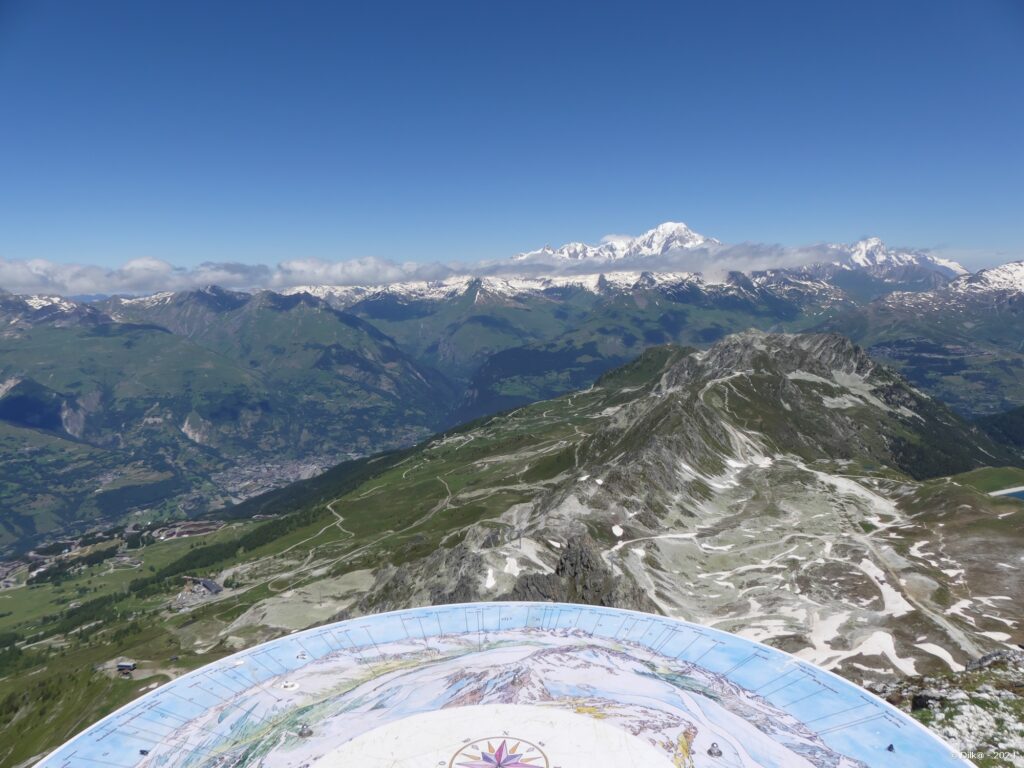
x=499, y=752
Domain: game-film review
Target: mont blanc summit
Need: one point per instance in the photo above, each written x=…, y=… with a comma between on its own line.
x=664, y=239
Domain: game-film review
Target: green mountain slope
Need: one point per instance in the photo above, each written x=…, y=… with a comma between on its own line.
x=247, y=396
x=1006, y=428
x=234, y=393
x=960, y=344
x=461, y=331
x=508, y=349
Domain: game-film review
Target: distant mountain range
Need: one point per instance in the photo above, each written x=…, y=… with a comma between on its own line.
x=176, y=402
x=869, y=255
x=670, y=255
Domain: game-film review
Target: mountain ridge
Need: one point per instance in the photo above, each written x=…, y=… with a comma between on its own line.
x=771, y=470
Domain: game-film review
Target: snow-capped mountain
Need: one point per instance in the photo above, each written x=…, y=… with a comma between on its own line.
x=338, y=295
x=39, y=309
x=984, y=291
x=778, y=283
x=496, y=287
x=871, y=255
x=617, y=265
x=663, y=239
x=1006, y=278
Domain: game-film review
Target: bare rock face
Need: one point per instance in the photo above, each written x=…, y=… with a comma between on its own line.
x=453, y=576
x=445, y=576
x=581, y=576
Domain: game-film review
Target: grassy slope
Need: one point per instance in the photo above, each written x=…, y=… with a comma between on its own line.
x=991, y=479
x=971, y=360
x=617, y=331
x=53, y=689
x=346, y=389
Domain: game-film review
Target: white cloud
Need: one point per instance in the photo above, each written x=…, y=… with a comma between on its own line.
x=148, y=275
x=365, y=271
x=142, y=275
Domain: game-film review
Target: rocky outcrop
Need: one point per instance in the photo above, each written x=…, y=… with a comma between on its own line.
x=447, y=575
x=979, y=711
x=581, y=576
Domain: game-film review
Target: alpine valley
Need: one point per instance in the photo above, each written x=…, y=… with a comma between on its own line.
x=136, y=409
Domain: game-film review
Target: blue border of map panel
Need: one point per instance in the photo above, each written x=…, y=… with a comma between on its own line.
x=341, y=680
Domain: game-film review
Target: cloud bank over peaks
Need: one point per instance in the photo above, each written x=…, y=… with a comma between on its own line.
x=142, y=275
x=669, y=247
x=148, y=275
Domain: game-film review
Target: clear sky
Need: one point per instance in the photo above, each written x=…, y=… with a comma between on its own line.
x=263, y=131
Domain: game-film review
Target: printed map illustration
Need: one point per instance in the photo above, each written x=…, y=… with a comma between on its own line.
x=507, y=685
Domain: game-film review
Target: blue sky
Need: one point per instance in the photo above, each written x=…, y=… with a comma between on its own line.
x=265, y=131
